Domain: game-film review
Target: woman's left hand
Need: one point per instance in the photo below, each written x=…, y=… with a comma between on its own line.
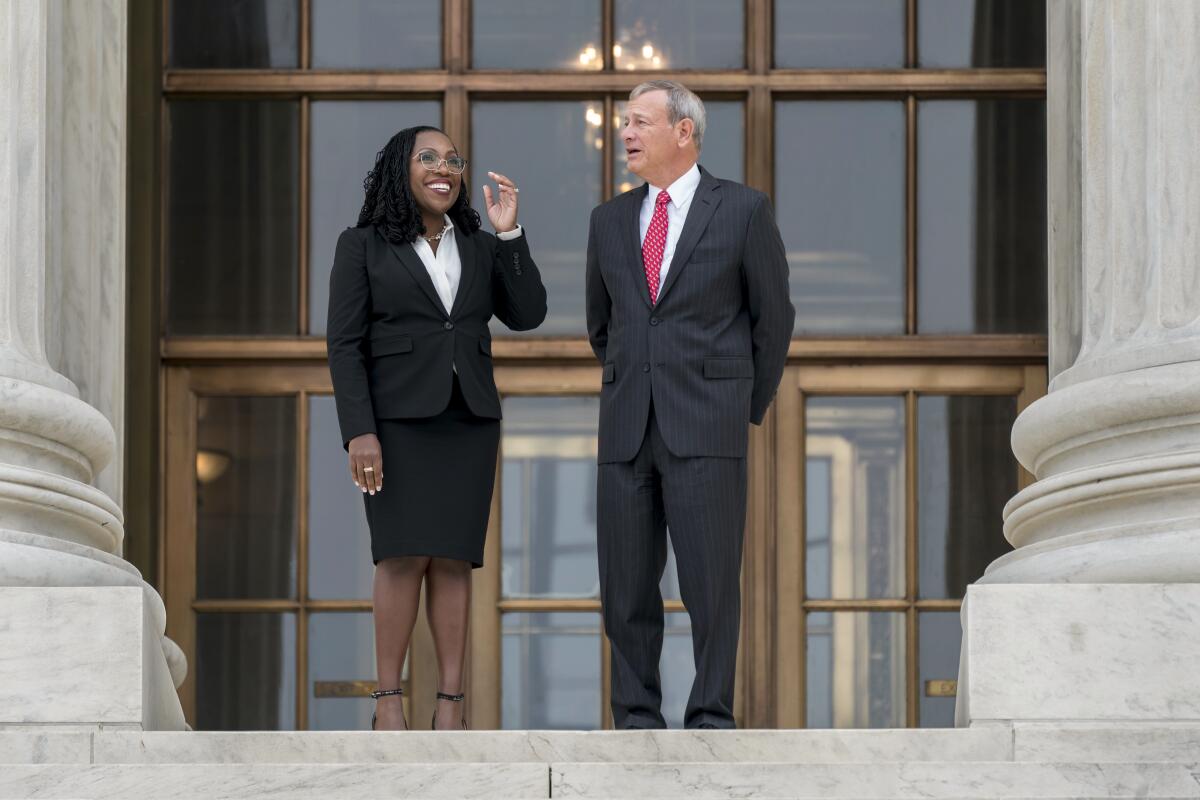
x=501, y=207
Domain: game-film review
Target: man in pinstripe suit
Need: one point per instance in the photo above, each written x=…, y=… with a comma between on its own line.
x=688, y=311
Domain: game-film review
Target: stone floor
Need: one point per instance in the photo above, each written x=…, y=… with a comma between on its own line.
x=1023, y=761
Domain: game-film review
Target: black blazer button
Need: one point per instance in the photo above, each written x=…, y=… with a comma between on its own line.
x=646, y=367
x=448, y=325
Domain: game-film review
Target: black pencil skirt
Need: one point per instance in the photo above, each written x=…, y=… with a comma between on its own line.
x=438, y=476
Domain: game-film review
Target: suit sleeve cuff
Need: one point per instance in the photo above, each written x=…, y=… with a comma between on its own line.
x=508, y=236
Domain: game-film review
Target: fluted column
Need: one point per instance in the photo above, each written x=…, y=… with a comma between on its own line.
x=82, y=634
x=1115, y=445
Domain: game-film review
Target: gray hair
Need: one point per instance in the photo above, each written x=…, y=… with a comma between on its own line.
x=682, y=103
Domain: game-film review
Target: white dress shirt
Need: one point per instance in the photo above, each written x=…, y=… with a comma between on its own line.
x=445, y=266
x=681, y=191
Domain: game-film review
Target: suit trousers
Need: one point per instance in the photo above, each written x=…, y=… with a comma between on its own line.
x=702, y=502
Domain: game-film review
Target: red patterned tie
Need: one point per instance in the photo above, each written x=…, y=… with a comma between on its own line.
x=654, y=244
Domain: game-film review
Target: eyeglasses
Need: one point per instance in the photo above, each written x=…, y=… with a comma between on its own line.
x=430, y=161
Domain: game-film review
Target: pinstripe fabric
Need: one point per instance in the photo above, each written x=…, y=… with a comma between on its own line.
x=681, y=382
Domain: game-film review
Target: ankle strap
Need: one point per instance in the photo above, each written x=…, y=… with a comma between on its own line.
x=457, y=698
x=385, y=693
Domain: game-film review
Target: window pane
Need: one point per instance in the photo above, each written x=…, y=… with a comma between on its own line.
x=339, y=541
x=677, y=668
x=341, y=647
x=981, y=33
x=376, y=34
x=981, y=229
x=558, y=171
x=966, y=473
x=548, y=497
x=724, y=149
x=551, y=672
x=228, y=34
x=839, y=34
x=536, y=34
x=346, y=136
x=940, y=636
x=245, y=498
x=856, y=666
x=245, y=672
x=679, y=34
x=854, y=497
x=233, y=194
x=839, y=189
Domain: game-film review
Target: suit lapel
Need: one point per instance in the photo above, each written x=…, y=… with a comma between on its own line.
x=466, y=257
x=704, y=203
x=412, y=262
x=632, y=234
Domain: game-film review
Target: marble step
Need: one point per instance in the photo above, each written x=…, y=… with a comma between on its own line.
x=606, y=781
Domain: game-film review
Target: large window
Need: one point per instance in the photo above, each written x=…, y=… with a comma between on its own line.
x=902, y=143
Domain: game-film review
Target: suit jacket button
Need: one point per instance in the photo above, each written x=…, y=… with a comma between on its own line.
x=655, y=320
x=646, y=367
x=448, y=325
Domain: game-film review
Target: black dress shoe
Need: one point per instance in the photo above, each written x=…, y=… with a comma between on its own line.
x=707, y=725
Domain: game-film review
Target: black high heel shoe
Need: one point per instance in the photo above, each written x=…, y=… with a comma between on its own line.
x=454, y=698
x=383, y=693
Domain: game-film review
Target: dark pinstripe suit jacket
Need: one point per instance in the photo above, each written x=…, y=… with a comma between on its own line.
x=711, y=351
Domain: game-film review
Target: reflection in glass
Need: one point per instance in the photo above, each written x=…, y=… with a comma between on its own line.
x=232, y=34
x=232, y=214
x=245, y=672
x=558, y=171
x=341, y=647
x=856, y=663
x=376, y=34
x=839, y=34
x=536, y=34
x=940, y=635
x=724, y=150
x=548, y=497
x=854, y=497
x=679, y=34
x=346, y=136
x=677, y=668
x=965, y=475
x=981, y=229
x=339, y=541
x=550, y=671
x=981, y=33
x=839, y=189
x=246, y=512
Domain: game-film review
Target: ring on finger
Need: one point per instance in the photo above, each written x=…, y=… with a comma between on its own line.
x=368, y=469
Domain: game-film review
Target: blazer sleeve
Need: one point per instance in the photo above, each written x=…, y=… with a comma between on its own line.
x=347, y=335
x=518, y=295
x=598, y=302
x=772, y=316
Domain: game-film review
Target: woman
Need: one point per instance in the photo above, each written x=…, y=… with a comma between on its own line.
x=413, y=287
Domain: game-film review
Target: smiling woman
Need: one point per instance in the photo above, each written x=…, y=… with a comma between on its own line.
x=413, y=287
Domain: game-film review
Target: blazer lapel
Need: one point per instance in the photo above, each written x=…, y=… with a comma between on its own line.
x=704, y=203
x=466, y=257
x=412, y=262
x=632, y=234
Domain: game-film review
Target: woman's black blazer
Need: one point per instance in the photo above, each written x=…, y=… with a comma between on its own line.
x=391, y=342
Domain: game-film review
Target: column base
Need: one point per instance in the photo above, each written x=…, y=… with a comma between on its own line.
x=1074, y=652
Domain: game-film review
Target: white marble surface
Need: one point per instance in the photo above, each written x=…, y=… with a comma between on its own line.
x=1095, y=742
x=298, y=781
x=86, y=655
x=22, y=747
x=1062, y=652
x=810, y=746
x=890, y=780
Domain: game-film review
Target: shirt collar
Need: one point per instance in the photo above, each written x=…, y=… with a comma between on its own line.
x=681, y=190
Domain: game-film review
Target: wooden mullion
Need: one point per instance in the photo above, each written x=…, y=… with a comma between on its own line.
x=302, y=535
x=607, y=168
x=456, y=36
x=911, y=563
x=910, y=34
x=608, y=36
x=179, y=513
x=759, y=37
x=305, y=34
x=910, y=215
x=305, y=205
x=760, y=141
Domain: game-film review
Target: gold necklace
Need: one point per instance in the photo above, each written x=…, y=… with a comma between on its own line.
x=437, y=236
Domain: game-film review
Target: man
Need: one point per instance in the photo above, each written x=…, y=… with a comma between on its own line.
x=688, y=311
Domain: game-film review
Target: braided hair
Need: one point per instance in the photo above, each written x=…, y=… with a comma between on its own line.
x=389, y=203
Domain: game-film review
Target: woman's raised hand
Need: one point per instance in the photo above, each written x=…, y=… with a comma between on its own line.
x=502, y=205
x=366, y=463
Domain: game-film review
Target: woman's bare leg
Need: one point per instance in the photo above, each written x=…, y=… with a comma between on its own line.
x=448, y=594
x=397, y=597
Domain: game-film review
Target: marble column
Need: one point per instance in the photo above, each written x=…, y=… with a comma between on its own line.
x=1115, y=444
x=63, y=586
